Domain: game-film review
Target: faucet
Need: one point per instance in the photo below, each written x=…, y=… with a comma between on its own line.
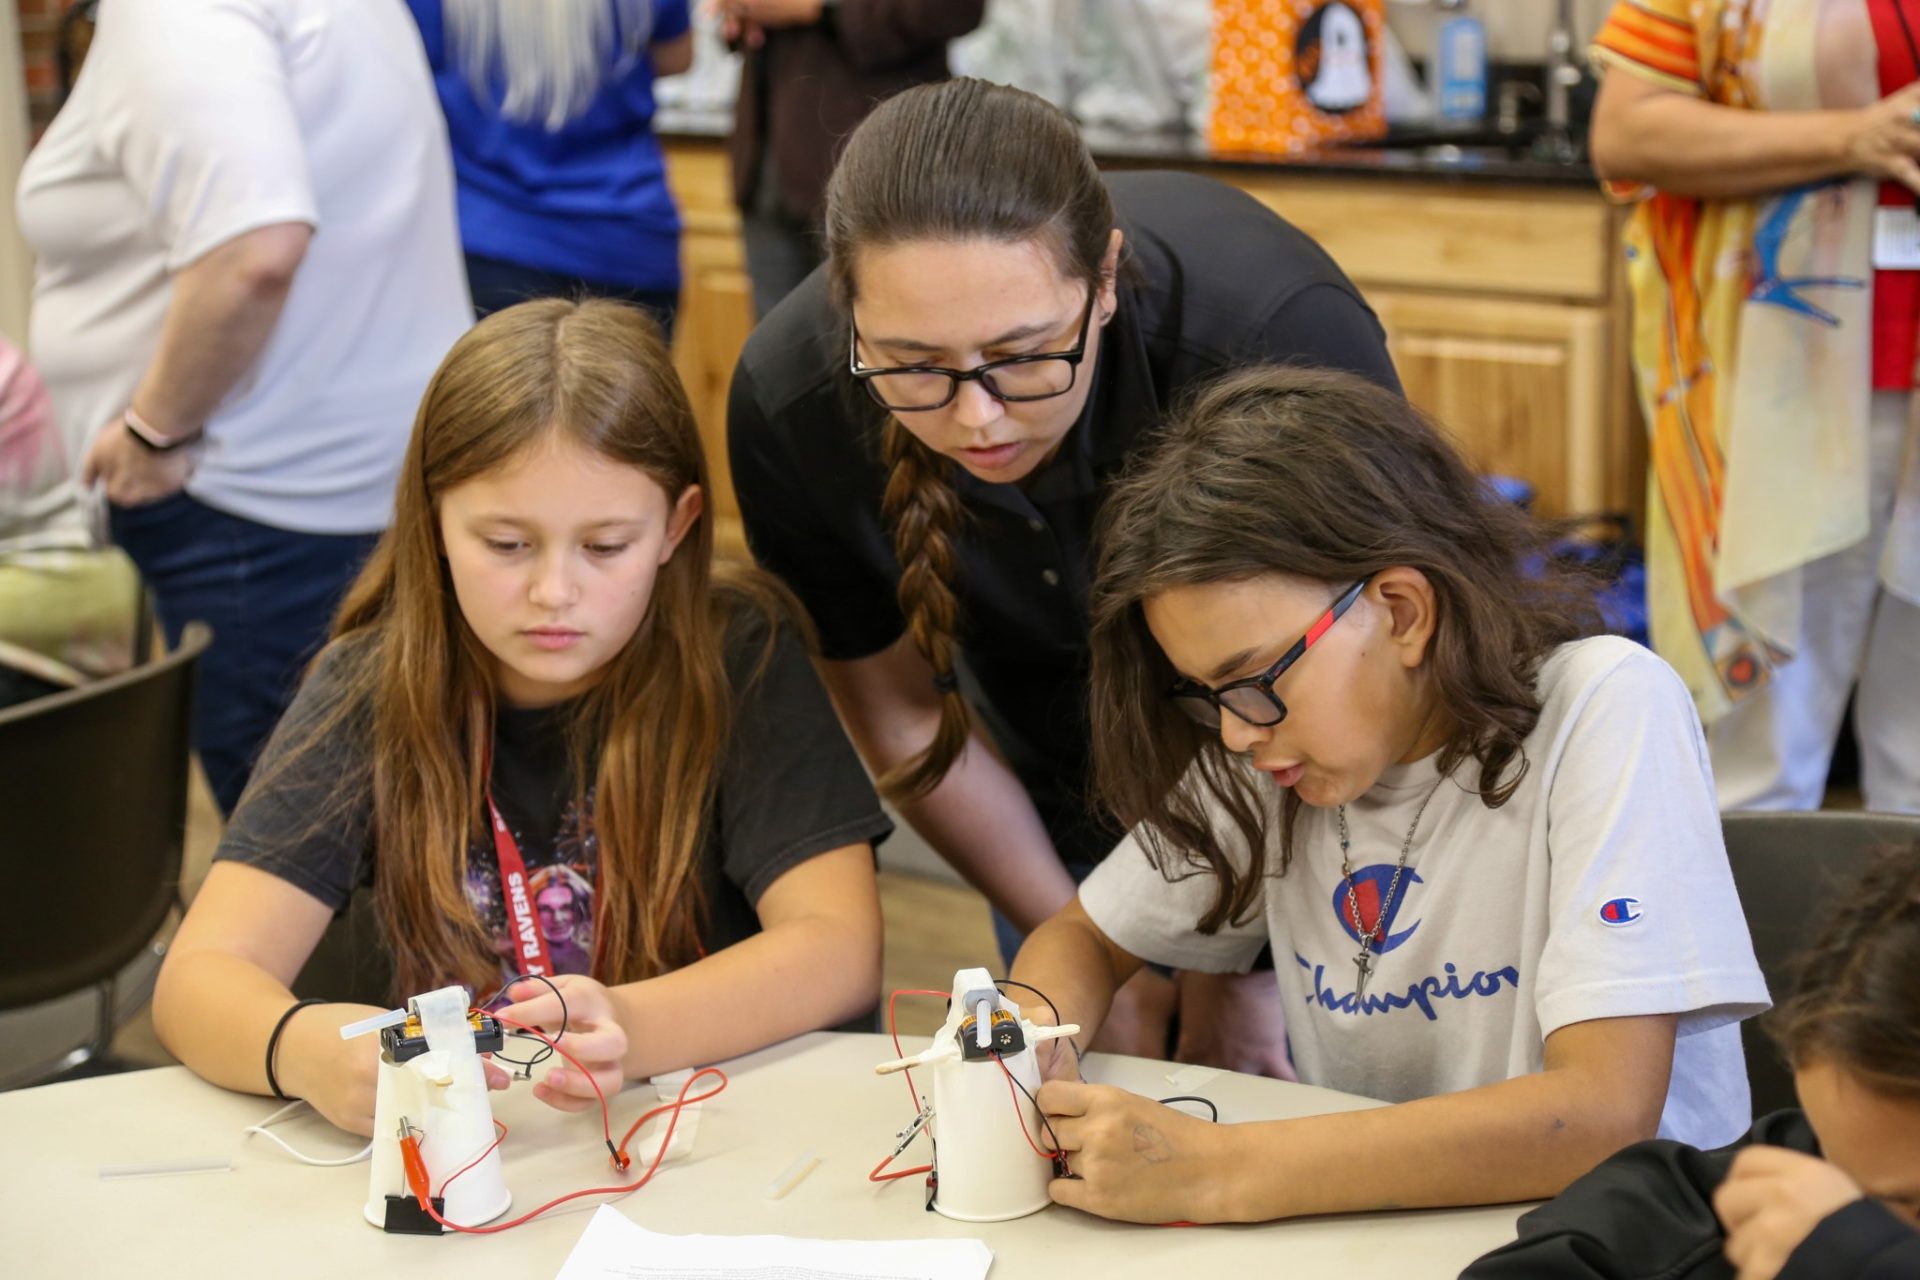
x=1506, y=121
x=1563, y=73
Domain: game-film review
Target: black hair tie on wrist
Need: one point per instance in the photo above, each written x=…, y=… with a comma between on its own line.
x=946, y=681
x=273, y=1043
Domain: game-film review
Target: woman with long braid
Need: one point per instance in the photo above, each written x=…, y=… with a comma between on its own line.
x=922, y=436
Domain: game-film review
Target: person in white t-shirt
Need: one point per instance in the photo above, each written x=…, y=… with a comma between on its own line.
x=249, y=266
x=1346, y=711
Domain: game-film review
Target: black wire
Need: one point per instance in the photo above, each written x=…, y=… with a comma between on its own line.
x=546, y=1050
x=1009, y=982
x=1189, y=1097
x=1055, y=1009
x=1052, y=1137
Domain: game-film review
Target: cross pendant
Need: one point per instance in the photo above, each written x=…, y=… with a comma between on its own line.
x=1362, y=970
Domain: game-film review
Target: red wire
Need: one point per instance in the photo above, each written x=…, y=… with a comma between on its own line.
x=606, y=1126
x=476, y=1160
x=877, y=1176
x=893, y=1029
x=615, y=1191
x=1020, y=1117
x=676, y=1106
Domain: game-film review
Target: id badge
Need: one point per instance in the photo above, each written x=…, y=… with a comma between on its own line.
x=1896, y=238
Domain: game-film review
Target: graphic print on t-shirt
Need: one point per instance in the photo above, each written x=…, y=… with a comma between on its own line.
x=1332, y=985
x=560, y=881
x=1620, y=912
x=1369, y=889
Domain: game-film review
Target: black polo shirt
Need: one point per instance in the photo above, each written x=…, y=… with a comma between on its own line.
x=1219, y=281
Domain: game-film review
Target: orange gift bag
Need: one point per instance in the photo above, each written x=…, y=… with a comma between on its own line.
x=1290, y=75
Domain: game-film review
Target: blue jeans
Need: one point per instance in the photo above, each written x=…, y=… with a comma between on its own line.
x=496, y=284
x=1011, y=936
x=269, y=596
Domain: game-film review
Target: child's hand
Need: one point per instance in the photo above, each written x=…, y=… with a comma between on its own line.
x=1058, y=1059
x=338, y=1078
x=1133, y=1159
x=1771, y=1202
x=594, y=1037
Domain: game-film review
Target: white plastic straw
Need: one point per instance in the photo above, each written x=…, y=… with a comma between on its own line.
x=793, y=1175
x=162, y=1168
x=379, y=1021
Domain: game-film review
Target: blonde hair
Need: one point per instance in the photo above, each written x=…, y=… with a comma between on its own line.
x=553, y=54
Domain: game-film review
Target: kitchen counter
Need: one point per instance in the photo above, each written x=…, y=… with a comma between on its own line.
x=1422, y=152
x=1497, y=278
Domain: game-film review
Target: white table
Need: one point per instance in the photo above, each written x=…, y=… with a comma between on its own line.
x=270, y=1216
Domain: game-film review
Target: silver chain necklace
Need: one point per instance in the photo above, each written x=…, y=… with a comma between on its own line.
x=1369, y=938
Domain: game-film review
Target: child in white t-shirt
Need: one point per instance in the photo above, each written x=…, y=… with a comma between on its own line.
x=1483, y=849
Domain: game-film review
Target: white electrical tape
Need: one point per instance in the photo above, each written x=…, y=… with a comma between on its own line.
x=1190, y=1079
x=669, y=1086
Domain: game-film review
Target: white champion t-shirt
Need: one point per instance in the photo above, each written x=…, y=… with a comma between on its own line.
x=196, y=121
x=1600, y=890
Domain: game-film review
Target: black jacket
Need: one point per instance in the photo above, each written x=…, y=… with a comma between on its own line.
x=804, y=89
x=1647, y=1214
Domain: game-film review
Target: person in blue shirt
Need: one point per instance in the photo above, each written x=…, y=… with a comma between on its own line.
x=562, y=186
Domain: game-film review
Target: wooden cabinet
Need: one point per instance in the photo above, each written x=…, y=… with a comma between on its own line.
x=1518, y=383
x=716, y=311
x=1505, y=315
x=1506, y=240
x=1503, y=305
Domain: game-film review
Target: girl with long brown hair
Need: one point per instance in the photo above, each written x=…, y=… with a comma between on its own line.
x=539, y=670
x=1351, y=714
x=923, y=433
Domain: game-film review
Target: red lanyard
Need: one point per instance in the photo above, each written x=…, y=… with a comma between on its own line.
x=523, y=923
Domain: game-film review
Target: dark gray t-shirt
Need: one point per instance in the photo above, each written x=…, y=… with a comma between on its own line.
x=790, y=788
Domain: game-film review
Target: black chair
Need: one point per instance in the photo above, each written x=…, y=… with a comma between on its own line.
x=1786, y=867
x=93, y=786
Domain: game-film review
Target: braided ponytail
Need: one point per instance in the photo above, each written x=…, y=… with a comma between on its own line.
x=956, y=160
x=925, y=515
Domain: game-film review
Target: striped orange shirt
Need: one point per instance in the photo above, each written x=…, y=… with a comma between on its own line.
x=1656, y=38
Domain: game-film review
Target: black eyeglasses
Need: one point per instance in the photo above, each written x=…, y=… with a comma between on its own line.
x=1253, y=699
x=915, y=388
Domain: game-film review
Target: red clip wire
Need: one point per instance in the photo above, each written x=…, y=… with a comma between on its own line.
x=417, y=1170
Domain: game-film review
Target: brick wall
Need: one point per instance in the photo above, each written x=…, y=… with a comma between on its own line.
x=39, y=31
